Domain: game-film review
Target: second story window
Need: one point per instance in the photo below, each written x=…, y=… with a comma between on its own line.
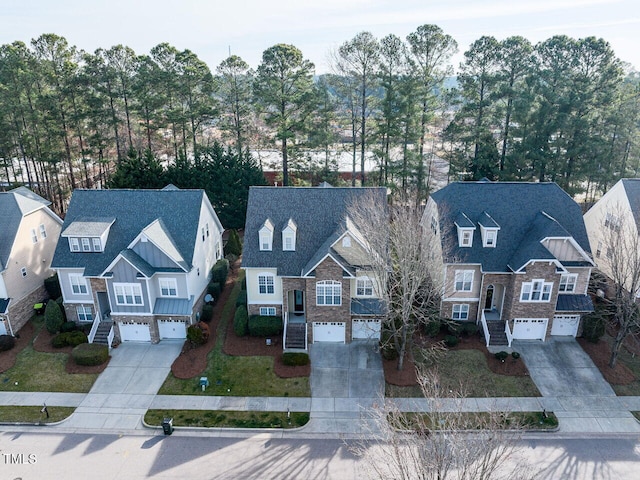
x=168, y=287
x=128, y=293
x=43, y=231
x=364, y=287
x=463, y=280
x=328, y=292
x=78, y=284
x=34, y=236
x=266, y=285
x=536, y=291
x=568, y=283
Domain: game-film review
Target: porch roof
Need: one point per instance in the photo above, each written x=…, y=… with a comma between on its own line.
x=574, y=303
x=173, y=306
x=367, y=306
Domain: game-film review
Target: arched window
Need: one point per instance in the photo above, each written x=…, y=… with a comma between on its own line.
x=328, y=292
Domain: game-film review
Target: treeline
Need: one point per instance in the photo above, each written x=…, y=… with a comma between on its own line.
x=561, y=110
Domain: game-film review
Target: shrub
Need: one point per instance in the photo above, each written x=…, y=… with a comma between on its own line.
x=242, y=298
x=234, y=245
x=451, y=341
x=52, y=286
x=469, y=328
x=219, y=272
x=68, y=327
x=389, y=351
x=241, y=321
x=593, y=328
x=198, y=334
x=214, y=290
x=67, y=339
x=53, y=317
x=207, y=313
x=515, y=355
x=264, y=326
x=7, y=342
x=454, y=327
x=295, y=359
x=90, y=354
x=433, y=328
x=502, y=356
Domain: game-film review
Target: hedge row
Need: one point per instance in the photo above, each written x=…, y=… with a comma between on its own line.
x=90, y=354
x=262, y=326
x=241, y=321
x=69, y=339
x=219, y=272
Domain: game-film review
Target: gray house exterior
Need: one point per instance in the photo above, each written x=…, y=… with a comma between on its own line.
x=137, y=261
x=28, y=234
x=515, y=258
x=305, y=261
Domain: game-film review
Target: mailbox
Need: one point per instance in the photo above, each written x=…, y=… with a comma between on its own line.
x=204, y=383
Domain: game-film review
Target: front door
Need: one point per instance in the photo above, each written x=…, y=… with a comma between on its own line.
x=488, y=304
x=298, y=302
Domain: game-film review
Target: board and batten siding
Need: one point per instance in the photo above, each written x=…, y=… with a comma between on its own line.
x=65, y=285
x=123, y=272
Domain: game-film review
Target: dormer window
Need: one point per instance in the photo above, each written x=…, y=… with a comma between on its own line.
x=266, y=236
x=346, y=241
x=466, y=237
x=489, y=230
x=289, y=236
x=74, y=244
x=465, y=230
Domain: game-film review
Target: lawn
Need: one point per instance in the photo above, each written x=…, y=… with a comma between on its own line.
x=33, y=414
x=467, y=372
x=479, y=420
x=632, y=362
x=250, y=376
x=227, y=418
x=43, y=372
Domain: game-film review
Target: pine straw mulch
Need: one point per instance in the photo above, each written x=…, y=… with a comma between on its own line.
x=42, y=343
x=407, y=377
x=600, y=354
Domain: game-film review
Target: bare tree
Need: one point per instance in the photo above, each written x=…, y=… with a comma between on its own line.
x=400, y=254
x=621, y=242
x=443, y=443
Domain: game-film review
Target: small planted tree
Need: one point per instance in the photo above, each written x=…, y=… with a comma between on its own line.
x=234, y=245
x=53, y=317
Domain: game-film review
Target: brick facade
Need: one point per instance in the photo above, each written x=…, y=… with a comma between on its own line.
x=447, y=310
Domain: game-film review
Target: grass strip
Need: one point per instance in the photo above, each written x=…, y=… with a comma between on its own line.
x=33, y=414
x=227, y=418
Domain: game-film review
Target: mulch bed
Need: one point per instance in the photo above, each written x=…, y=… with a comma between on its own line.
x=407, y=377
x=600, y=353
x=8, y=358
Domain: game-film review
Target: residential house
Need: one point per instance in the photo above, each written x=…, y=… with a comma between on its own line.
x=609, y=216
x=305, y=261
x=28, y=234
x=136, y=263
x=515, y=258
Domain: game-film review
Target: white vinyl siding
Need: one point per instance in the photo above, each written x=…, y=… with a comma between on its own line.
x=328, y=292
x=128, y=293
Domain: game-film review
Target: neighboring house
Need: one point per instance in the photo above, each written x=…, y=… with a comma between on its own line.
x=139, y=260
x=515, y=257
x=28, y=234
x=620, y=204
x=305, y=261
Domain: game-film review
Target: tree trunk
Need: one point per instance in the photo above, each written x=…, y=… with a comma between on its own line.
x=285, y=163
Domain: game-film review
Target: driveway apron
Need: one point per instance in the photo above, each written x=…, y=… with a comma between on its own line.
x=125, y=389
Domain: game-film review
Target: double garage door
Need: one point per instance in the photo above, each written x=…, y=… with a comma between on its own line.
x=141, y=332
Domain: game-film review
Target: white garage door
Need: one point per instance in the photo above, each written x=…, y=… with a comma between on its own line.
x=530, y=328
x=3, y=328
x=172, y=329
x=565, y=325
x=367, y=328
x=329, y=331
x=134, y=332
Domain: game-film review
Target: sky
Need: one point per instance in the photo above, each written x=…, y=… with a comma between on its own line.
x=214, y=28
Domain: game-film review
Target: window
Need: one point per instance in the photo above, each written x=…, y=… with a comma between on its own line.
x=364, y=287
x=97, y=246
x=287, y=242
x=202, y=229
x=434, y=225
x=168, y=287
x=490, y=237
x=86, y=245
x=265, y=284
x=128, y=293
x=289, y=236
x=466, y=238
x=599, y=249
x=266, y=235
x=84, y=314
x=536, y=291
x=74, y=244
x=207, y=229
x=78, y=284
x=23, y=271
x=346, y=242
x=612, y=221
x=461, y=311
x=43, y=231
x=268, y=311
x=328, y=292
x=34, y=236
x=568, y=283
x=464, y=280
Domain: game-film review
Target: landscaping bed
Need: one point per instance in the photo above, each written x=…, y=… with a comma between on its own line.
x=227, y=418
x=23, y=339
x=479, y=420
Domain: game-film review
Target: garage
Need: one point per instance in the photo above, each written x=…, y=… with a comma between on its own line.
x=172, y=329
x=565, y=325
x=530, y=328
x=329, y=331
x=366, y=328
x=134, y=332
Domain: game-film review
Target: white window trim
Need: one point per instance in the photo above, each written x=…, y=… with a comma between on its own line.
x=43, y=231
x=564, y=283
x=545, y=287
x=74, y=244
x=81, y=311
x=268, y=311
x=288, y=241
x=364, y=284
x=86, y=244
x=269, y=282
x=328, y=289
x=489, y=234
x=168, y=284
x=34, y=236
x=463, y=281
x=464, y=241
x=77, y=280
x=128, y=289
x=23, y=272
x=97, y=244
x=266, y=241
x=462, y=311
x=346, y=241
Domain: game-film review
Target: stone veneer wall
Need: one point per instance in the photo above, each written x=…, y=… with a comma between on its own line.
x=21, y=311
x=146, y=320
x=328, y=270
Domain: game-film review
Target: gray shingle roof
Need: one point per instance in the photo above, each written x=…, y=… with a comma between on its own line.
x=632, y=189
x=319, y=214
x=517, y=207
x=133, y=210
x=88, y=227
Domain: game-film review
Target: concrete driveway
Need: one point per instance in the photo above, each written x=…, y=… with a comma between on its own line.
x=560, y=368
x=125, y=389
